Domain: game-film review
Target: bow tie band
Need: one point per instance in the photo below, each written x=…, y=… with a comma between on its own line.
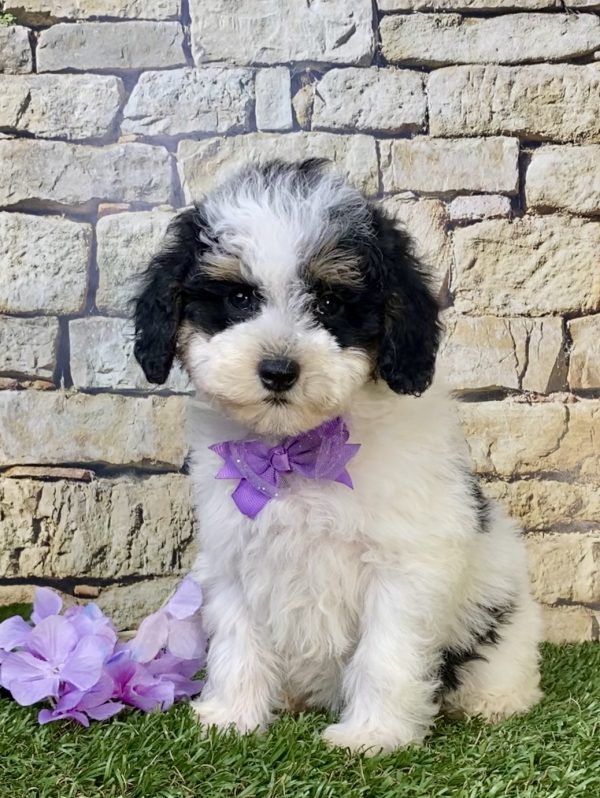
x=320, y=453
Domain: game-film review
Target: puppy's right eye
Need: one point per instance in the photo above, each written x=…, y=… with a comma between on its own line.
x=243, y=300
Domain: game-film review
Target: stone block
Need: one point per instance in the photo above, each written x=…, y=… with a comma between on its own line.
x=28, y=347
x=274, y=99
x=45, y=12
x=15, y=49
x=584, y=361
x=564, y=179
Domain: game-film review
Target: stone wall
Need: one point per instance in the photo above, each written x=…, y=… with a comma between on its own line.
x=476, y=122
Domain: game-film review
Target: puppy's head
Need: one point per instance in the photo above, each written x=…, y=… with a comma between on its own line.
x=283, y=293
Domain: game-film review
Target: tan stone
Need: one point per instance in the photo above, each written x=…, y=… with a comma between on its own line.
x=372, y=100
x=549, y=505
x=55, y=427
x=105, y=529
x=514, y=438
x=28, y=347
x=488, y=353
x=42, y=12
x=180, y=101
x=584, y=362
x=49, y=472
x=435, y=40
x=75, y=107
x=82, y=46
x=556, y=102
x=565, y=566
x=303, y=102
x=564, y=178
x=44, y=264
x=102, y=357
x=467, y=5
x=57, y=175
x=15, y=49
x=274, y=99
x=258, y=32
x=531, y=266
x=438, y=166
x=568, y=624
x=126, y=244
x=475, y=207
x=202, y=163
x=16, y=594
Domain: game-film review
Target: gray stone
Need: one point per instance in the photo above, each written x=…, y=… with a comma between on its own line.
x=44, y=264
x=438, y=166
x=273, y=99
x=556, y=102
x=466, y=5
x=43, y=12
x=28, y=347
x=126, y=243
x=584, y=362
x=373, y=100
x=74, y=107
x=79, y=428
x=57, y=175
x=487, y=353
x=531, y=266
x=82, y=46
x=202, y=163
x=102, y=357
x=435, y=40
x=473, y=207
x=208, y=100
x=15, y=49
x=106, y=529
x=564, y=178
x=259, y=32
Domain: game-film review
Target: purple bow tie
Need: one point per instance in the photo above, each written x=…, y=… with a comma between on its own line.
x=320, y=453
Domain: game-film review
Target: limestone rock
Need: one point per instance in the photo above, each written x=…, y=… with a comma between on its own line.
x=372, y=100
x=565, y=566
x=564, y=178
x=556, y=102
x=128, y=605
x=437, y=166
x=126, y=243
x=57, y=175
x=107, y=528
x=257, y=32
x=28, y=347
x=584, y=362
x=273, y=99
x=79, y=428
x=467, y=5
x=489, y=353
x=74, y=107
x=531, y=266
x=179, y=101
x=568, y=624
x=102, y=357
x=435, y=40
x=201, y=163
x=472, y=208
x=82, y=46
x=15, y=49
x=43, y=12
x=44, y=263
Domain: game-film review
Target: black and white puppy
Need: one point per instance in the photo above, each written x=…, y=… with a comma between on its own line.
x=291, y=300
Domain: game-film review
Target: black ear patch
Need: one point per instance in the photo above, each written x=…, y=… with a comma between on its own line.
x=411, y=330
x=159, y=305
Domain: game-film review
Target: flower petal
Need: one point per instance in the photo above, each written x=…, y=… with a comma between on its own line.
x=27, y=678
x=84, y=666
x=151, y=637
x=187, y=599
x=45, y=603
x=13, y=632
x=53, y=639
x=105, y=711
x=48, y=715
x=186, y=639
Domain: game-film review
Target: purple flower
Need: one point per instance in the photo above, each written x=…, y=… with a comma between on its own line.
x=173, y=627
x=179, y=672
x=53, y=653
x=45, y=603
x=90, y=620
x=13, y=633
x=134, y=685
x=80, y=705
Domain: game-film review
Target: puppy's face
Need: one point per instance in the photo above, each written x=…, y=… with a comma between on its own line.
x=283, y=293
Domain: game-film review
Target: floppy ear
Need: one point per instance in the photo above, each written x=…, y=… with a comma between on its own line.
x=411, y=330
x=158, y=307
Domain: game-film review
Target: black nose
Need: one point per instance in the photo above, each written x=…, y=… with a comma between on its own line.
x=278, y=373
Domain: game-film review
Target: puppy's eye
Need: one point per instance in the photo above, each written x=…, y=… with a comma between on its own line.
x=329, y=306
x=243, y=300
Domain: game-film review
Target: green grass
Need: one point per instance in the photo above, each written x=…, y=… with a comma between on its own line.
x=553, y=752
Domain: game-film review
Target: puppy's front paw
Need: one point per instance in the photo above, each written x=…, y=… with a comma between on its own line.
x=211, y=712
x=366, y=739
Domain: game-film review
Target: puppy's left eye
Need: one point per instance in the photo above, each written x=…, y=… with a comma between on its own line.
x=329, y=306
x=243, y=301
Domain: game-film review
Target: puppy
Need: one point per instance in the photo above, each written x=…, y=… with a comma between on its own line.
x=383, y=592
